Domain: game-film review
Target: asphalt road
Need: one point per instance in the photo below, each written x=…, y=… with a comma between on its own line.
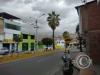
x=44, y=65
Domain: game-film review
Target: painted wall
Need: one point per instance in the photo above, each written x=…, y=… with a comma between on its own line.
x=1, y=26
x=29, y=41
x=9, y=32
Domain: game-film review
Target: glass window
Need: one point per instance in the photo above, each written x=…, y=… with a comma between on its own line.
x=32, y=46
x=15, y=37
x=32, y=36
x=11, y=26
x=24, y=46
x=25, y=36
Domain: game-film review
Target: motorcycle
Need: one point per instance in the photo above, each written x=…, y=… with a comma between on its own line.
x=68, y=66
x=82, y=63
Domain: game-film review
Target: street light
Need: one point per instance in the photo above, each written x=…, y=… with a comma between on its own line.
x=36, y=32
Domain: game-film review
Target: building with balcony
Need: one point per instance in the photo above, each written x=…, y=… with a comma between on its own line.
x=9, y=30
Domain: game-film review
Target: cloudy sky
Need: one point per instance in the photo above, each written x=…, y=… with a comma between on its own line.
x=30, y=10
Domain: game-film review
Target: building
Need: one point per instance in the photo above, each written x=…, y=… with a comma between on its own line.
x=59, y=42
x=27, y=43
x=9, y=30
x=89, y=18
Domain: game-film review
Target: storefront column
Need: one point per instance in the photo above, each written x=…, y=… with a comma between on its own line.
x=1, y=45
x=10, y=49
x=15, y=45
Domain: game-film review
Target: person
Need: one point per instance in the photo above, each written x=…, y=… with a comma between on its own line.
x=68, y=66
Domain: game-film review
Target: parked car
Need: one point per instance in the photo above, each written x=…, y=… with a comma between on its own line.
x=49, y=47
x=4, y=51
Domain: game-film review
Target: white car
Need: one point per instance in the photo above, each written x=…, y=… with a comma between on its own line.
x=49, y=48
x=4, y=51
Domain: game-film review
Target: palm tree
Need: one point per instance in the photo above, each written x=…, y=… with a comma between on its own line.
x=53, y=21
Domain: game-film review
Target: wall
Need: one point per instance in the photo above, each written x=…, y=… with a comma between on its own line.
x=29, y=41
x=9, y=32
x=90, y=22
x=1, y=30
x=1, y=25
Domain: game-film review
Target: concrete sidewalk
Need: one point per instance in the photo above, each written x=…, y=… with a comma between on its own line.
x=96, y=67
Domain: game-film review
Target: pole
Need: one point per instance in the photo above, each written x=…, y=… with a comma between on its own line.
x=36, y=36
x=36, y=33
x=53, y=41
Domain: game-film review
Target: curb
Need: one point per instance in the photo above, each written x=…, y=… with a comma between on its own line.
x=14, y=57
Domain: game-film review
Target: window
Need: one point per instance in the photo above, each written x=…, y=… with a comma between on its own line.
x=11, y=26
x=32, y=46
x=32, y=36
x=24, y=46
x=15, y=37
x=25, y=36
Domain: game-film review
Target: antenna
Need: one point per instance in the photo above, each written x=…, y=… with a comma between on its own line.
x=84, y=1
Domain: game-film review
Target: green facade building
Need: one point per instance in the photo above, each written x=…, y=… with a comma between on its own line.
x=27, y=43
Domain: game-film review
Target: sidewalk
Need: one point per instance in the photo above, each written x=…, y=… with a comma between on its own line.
x=18, y=56
x=96, y=66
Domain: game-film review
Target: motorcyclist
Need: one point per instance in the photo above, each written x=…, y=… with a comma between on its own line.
x=68, y=66
x=84, y=63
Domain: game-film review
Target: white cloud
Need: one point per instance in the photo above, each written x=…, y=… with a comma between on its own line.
x=34, y=8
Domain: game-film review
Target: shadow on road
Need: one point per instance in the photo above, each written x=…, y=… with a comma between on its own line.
x=60, y=72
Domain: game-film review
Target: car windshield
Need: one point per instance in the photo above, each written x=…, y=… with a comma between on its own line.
x=4, y=48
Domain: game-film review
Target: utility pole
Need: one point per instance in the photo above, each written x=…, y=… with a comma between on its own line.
x=36, y=32
x=36, y=35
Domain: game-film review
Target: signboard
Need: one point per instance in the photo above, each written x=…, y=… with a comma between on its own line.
x=8, y=41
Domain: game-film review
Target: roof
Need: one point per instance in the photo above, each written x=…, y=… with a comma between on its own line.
x=8, y=16
x=88, y=2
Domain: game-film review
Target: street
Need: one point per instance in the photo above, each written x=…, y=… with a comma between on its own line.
x=45, y=65
x=49, y=37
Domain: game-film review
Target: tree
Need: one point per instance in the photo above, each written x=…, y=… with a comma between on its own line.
x=18, y=38
x=53, y=21
x=66, y=38
x=47, y=41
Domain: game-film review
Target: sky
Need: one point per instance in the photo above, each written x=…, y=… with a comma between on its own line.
x=30, y=10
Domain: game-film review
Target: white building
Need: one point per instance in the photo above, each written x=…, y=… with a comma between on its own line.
x=8, y=29
x=59, y=42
